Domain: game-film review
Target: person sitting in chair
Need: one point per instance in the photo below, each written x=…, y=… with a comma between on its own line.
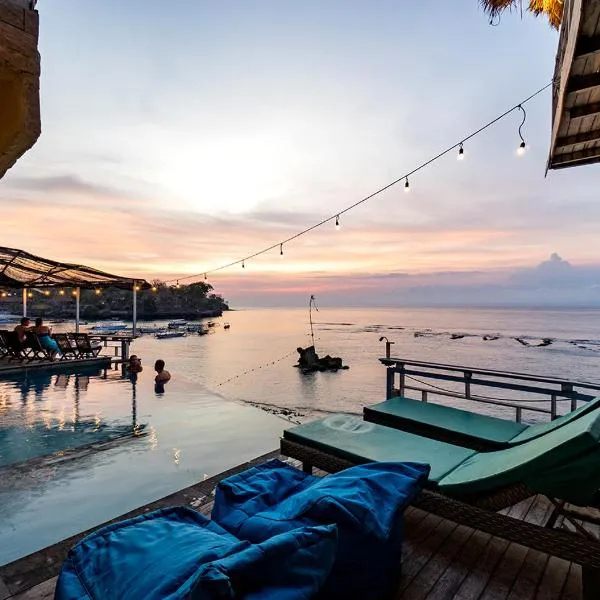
x=21, y=331
x=44, y=334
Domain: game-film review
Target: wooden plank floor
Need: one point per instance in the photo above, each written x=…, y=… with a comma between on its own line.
x=443, y=561
x=15, y=367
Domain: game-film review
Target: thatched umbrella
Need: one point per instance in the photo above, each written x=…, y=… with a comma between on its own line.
x=552, y=8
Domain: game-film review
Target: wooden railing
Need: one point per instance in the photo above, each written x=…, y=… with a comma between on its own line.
x=541, y=394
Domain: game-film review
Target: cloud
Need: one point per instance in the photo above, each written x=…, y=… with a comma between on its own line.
x=64, y=184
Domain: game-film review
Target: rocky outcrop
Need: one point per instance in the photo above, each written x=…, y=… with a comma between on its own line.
x=20, y=124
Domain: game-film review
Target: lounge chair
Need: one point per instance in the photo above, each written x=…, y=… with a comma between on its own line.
x=66, y=348
x=468, y=487
x=34, y=349
x=14, y=349
x=85, y=348
x=462, y=427
x=4, y=351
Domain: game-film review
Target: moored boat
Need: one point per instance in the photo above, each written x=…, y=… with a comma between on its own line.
x=169, y=334
x=176, y=323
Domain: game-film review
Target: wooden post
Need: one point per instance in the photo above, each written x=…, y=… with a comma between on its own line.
x=553, y=407
x=24, y=302
x=468, y=375
x=134, y=308
x=402, y=380
x=77, y=293
x=389, y=383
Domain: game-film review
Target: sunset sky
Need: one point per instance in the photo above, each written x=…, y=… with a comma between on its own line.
x=181, y=136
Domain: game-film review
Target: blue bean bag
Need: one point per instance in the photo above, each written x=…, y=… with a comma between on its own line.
x=177, y=553
x=366, y=503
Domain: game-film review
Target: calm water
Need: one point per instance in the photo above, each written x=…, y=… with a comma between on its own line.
x=207, y=420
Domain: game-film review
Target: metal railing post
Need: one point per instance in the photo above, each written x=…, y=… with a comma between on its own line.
x=389, y=383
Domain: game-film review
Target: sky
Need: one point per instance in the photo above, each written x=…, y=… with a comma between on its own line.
x=179, y=137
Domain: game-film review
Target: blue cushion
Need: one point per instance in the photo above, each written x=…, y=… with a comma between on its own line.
x=365, y=502
x=177, y=553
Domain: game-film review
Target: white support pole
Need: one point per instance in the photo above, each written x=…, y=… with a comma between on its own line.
x=77, y=294
x=134, y=308
x=24, y=302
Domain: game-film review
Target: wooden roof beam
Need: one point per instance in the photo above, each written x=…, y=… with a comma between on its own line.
x=578, y=112
x=572, y=159
x=580, y=83
x=579, y=138
x=587, y=44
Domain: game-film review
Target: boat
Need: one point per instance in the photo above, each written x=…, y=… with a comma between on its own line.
x=151, y=329
x=110, y=327
x=203, y=331
x=175, y=323
x=194, y=327
x=169, y=334
x=211, y=323
x=226, y=326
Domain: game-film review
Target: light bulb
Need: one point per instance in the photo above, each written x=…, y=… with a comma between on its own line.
x=461, y=153
x=177, y=285
x=243, y=265
x=137, y=288
x=74, y=292
x=521, y=149
x=46, y=293
x=97, y=291
x=154, y=288
x=205, y=277
x=30, y=295
x=281, y=250
x=407, y=186
x=61, y=292
x=337, y=222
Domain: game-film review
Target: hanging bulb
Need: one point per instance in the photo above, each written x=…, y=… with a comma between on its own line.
x=243, y=265
x=280, y=250
x=407, y=186
x=154, y=288
x=61, y=292
x=97, y=291
x=30, y=294
x=46, y=292
x=4, y=294
x=461, y=152
x=137, y=288
x=177, y=284
x=522, y=146
x=74, y=292
x=205, y=277
x=337, y=222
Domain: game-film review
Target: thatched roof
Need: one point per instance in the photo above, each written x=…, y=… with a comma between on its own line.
x=19, y=269
x=576, y=93
x=553, y=9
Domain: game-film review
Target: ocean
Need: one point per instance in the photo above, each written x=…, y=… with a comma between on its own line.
x=231, y=395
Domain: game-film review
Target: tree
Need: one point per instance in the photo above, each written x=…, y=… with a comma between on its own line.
x=553, y=9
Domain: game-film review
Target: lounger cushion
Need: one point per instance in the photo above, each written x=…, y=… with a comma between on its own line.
x=177, y=553
x=542, y=428
x=366, y=503
x=424, y=417
x=359, y=442
x=546, y=464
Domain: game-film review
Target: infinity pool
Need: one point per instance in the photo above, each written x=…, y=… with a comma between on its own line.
x=181, y=436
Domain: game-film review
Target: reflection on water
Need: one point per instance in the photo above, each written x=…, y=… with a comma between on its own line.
x=43, y=424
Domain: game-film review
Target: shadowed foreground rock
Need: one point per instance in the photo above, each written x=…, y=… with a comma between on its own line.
x=20, y=124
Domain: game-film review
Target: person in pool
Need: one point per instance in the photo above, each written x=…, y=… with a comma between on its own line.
x=134, y=365
x=162, y=375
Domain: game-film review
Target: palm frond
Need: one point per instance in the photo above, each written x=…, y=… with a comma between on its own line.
x=553, y=9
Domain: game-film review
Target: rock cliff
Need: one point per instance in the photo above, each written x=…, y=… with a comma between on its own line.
x=20, y=123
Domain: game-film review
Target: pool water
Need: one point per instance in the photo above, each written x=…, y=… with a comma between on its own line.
x=185, y=435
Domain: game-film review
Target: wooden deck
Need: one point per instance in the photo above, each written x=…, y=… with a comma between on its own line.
x=441, y=560
x=58, y=366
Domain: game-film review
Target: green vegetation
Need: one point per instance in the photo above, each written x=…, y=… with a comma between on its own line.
x=162, y=301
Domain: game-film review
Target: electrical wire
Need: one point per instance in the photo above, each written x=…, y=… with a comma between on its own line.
x=337, y=214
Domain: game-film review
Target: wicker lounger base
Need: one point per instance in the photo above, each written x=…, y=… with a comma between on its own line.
x=559, y=543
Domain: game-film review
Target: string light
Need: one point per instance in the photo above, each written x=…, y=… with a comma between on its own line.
x=137, y=288
x=61, y=292
x=4, y=294
x=177, y=285
x=404, y=177
x=337, y=222
x=205, y=277
x=461, y=152
x=74, y=292
x=522, y=146
x=30, y=294
x=243, y=265
x=281, y=250
x=154, y=288
x=98, y=291
x=46, y=292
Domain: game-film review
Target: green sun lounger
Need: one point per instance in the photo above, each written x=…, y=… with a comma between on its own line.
x=564, y=463
x=462, y=427
x=469, y=487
